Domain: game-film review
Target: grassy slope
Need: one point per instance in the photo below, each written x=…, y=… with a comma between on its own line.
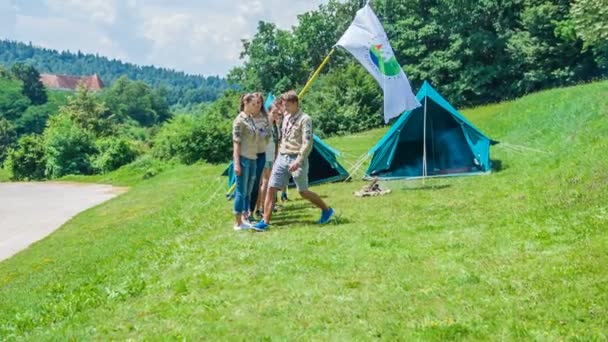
x=519, y=254
x=130, y=175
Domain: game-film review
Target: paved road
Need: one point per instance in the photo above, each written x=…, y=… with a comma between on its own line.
x=31, y=211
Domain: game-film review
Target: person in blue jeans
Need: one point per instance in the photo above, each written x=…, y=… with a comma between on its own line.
x=264, y=131
x=245, y=137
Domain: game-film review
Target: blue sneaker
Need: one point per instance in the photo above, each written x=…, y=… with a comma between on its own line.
x=260, y=226
x=326, y=216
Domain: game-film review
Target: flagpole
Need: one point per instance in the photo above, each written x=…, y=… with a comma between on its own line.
x=424, y=166
x=316, y=73
x=304, y=90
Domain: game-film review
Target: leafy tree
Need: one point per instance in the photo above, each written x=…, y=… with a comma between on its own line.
x=181, y=88
x=34, y=119
x=89, y=113
x=136, y=101
x=32, y=87
x=113, y=153
x=7, y=137
x=12, y=102
x=215, y=138
x=28, y=160
x=591, y=25
x=344, y=101
x=189, y=139
x=543, y=57
x=68, y=148
x=271, y=65
x=226, y=107
x=278, y=60
x=474, y=52
x=318, y=31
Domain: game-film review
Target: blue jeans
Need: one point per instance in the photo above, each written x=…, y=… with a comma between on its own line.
x=258, y=178
x=244, y=186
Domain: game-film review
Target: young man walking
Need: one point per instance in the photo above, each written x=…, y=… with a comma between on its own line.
x=295, y=146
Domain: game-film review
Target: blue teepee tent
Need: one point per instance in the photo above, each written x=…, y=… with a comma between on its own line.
x=446, y=143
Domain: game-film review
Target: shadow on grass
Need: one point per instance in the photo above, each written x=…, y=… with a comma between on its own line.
x=497, y=165
x=305, y=222
x=427, y=187
x=290, y=216
x=295, y=197
x=298, y=207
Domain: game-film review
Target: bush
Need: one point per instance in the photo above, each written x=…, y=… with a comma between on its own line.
x=28, y=160
x=215, y=138
x=135, y=100
x=68, y=148
x=147, y=166
x=189, y=139
x=114, y=153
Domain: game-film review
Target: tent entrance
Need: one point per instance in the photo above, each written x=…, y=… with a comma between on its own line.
x=447, y=151
x=323, y=171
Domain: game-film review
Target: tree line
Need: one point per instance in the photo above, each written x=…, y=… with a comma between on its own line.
x=474, y=52
x=46, y=134
x=181, y=89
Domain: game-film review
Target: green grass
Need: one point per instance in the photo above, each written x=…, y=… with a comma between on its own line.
x=4, y=175
x=139, y=171
x=520, y=254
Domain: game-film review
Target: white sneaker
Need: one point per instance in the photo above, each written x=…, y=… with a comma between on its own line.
x=242, y=226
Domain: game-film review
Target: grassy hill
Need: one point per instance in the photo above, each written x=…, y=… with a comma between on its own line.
x=519, y=254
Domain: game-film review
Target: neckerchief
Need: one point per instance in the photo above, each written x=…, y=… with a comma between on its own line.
x=288, y=126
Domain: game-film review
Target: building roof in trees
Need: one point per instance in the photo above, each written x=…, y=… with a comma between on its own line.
x=65, y=82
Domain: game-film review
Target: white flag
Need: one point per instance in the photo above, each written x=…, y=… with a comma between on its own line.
x=366, y=40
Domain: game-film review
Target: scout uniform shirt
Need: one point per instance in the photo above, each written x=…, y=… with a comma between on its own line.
x=244, y=132
x=296, y=137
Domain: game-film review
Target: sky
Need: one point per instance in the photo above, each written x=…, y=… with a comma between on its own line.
x=194, y=36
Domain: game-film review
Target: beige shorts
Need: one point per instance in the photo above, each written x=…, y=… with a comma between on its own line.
x=280, y=173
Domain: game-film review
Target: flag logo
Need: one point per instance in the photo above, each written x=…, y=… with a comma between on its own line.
x=366, y=40
x=383, y=58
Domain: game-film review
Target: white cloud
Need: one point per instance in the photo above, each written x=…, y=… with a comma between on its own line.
x=187, y=41
x=100, y=11
x=8, y=17
x=86, y=39
x=201, y=37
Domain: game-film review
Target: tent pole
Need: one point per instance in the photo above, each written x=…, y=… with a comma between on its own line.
x=424, y=166
x=433, y=157
x=315, y=74
x=232, y=187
